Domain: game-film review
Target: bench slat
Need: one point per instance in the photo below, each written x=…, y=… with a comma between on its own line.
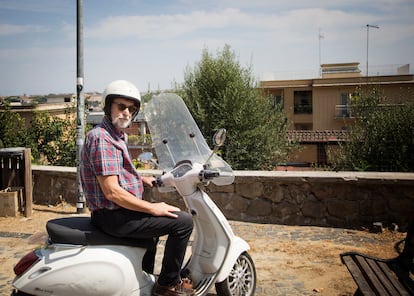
x=372, y=277
x=358, y=276
x=401, y=290
x=385, y=276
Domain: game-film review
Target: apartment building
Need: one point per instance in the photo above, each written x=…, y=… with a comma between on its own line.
x=318, y=109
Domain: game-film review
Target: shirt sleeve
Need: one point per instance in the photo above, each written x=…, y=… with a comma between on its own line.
x=104, y=157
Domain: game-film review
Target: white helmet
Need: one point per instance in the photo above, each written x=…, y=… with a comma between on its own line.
x=120, y=89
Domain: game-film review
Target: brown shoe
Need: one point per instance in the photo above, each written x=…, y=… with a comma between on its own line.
x=186, y=283
x=183, y=288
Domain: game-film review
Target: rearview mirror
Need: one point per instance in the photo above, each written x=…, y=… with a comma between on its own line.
x=145, y=156
x=219, y=137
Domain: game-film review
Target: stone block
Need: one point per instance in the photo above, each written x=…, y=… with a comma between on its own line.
x=312, y=209
x=9, y=205
x=259, y=208
x=343, y=208
x=250, y=190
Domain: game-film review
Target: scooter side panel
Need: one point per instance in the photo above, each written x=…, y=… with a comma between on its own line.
x=103, y=270
x=212, y=237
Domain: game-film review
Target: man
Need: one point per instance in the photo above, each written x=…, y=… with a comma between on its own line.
x=113, y=190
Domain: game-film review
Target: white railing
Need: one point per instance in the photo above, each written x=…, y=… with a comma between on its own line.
x=343, y=111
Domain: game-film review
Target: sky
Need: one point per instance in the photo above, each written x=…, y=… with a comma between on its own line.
x=153, y=43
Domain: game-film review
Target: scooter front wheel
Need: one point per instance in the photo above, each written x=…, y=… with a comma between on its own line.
x=241, y=280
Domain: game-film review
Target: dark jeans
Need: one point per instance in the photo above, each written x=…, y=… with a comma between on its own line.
x=132, y=224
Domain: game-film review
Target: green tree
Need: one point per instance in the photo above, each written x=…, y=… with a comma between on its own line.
x=382, y=137
x=219, y=92
x=52, y=139
x=12, y=129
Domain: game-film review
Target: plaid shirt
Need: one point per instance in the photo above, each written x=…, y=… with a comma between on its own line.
x=105, y=153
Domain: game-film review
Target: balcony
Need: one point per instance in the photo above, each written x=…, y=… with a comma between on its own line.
x=302, y=109
x=343, y=111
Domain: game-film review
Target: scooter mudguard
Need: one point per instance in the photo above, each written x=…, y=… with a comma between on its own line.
x=237, y=247
x=92, y=270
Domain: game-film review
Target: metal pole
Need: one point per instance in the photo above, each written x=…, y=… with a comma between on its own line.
x=369, y=26
x=80, y=103
x=320, y=61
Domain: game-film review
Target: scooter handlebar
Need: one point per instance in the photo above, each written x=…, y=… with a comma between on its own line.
x=185, y=174
x=210, y=174
x=157, y=182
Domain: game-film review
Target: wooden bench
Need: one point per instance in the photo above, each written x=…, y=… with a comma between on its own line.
x=376, y=276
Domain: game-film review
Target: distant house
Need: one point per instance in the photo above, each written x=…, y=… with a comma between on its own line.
x=94, y=102
x=61, y=98
x=56, y=105
x=318, y=109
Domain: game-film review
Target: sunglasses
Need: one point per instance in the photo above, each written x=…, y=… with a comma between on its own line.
x=131, y=109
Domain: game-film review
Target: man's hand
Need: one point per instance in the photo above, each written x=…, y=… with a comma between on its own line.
x=163, y=209
x=147, y=181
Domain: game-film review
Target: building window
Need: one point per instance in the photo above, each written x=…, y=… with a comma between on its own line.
x=344, y=107
x=276, y=100
x=303, y=102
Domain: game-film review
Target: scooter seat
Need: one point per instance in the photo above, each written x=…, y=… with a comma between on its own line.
x=80, y=231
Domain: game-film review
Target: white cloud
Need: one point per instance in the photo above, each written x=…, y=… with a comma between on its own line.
x=10, y=29
x=48, y=6
x=170, y=26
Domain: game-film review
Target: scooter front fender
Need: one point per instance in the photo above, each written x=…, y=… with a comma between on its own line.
x=237, y=247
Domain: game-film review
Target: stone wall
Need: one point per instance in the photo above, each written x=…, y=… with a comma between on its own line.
x=51, y=183
x=338, y=199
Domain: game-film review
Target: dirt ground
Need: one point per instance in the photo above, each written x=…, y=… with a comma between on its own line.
x=290, y=260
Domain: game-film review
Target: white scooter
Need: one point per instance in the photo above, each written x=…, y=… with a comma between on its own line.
x=78, y=259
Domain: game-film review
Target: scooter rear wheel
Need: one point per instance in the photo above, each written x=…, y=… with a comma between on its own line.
x=241, y=280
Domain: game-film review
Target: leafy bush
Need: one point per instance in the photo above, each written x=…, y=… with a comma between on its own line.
x=382, y=137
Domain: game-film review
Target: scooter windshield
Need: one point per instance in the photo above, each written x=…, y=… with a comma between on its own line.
x=176, y=137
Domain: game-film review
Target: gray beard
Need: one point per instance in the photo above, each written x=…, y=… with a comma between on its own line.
x=121, y=124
